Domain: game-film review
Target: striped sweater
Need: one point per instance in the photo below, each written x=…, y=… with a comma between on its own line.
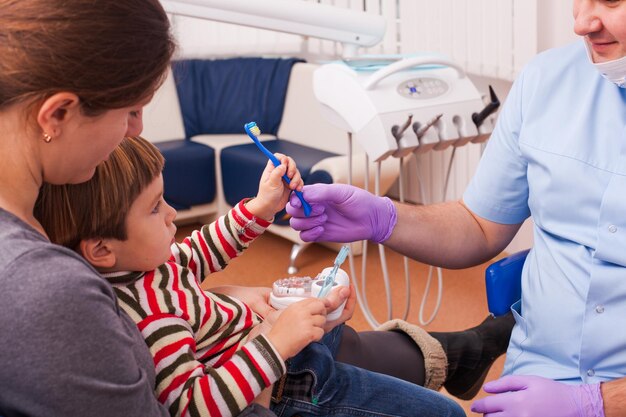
x=205, y=364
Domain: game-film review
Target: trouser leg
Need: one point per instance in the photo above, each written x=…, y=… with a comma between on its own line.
x=318, y=385
x=458, y=360
x=256, y=410
x=390, y=353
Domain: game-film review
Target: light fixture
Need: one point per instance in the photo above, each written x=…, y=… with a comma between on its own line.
x=352, y=28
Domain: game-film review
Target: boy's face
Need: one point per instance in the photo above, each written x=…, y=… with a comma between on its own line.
x=150, y=230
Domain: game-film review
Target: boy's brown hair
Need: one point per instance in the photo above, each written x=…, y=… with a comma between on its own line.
x=98, y=208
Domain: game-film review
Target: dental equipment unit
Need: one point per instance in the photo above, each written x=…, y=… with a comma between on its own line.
x=431, y=92
x=407, y=106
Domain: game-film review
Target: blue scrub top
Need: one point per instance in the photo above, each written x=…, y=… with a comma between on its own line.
x=558, y=154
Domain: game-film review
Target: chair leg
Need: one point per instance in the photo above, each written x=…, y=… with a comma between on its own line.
x=296, y=250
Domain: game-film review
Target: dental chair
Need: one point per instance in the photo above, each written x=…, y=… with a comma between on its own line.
x=503, y=280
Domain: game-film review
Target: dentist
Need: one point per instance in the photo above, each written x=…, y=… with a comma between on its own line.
x=558, y=154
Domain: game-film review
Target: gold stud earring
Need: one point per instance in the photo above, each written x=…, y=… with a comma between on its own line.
x=47, y=138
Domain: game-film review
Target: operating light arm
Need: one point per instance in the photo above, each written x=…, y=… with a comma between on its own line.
x=352, y=28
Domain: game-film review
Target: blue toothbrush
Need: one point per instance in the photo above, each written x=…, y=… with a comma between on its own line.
x=253, y=131
x=329, y=280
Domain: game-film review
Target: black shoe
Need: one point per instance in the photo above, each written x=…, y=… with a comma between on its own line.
x=472, y=352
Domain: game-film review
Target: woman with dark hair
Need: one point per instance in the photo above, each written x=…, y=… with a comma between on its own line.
x=74, y=76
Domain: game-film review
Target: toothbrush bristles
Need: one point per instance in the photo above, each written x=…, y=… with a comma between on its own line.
x=254, y=129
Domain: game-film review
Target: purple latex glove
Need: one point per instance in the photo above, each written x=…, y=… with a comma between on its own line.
x=534, y=396
x=342, y=213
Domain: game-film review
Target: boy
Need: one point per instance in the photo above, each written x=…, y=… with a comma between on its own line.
x=212, y=353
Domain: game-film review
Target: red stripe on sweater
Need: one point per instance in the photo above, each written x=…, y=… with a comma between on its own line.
x=206, y=252
x=176, y=383
x=187, y=403
x=225, y=356
x=246, y=212
x=170, y=349
x=240, y=221
x=218, y=347
x=153, y=303
x=248, y=317
x=257, y=366
x=208, y=308
x=192, y=265
x=225, y=243
x=149, y=320
x=208, y=398
x=180, y=294
x=241, y=381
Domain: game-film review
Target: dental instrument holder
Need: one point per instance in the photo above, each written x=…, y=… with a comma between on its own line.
x=290, y=290
x=368, y=105
x=247, y=127
x=490, y=108
x=405, y=144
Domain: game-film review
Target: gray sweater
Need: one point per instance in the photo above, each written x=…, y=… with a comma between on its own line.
x=66, y=348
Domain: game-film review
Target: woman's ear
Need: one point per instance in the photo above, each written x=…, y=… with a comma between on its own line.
x=98, y=253
x=55, y=111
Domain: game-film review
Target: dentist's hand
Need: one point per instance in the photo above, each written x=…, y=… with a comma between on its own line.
x=342, y=213
x=533, y=396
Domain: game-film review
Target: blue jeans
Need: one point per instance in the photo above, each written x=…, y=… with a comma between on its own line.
x=316, y=385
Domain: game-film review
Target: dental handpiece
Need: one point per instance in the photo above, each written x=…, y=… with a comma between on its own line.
x=420, y=130
x=398, y=131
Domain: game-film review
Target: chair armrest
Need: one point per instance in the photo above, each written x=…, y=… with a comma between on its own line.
x=503, y=280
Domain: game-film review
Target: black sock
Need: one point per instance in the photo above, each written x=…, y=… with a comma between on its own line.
x=472, y=352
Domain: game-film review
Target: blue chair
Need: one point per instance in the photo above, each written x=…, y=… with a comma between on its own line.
x=503, y=280
x=189, y=173
x=220, y=96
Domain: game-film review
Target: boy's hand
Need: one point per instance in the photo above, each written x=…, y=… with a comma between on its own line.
x=298, y=325
x=334, y=300
x=273, y=191
x=257, y=298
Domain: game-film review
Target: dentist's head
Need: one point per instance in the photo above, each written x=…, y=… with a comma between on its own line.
x=603, y=25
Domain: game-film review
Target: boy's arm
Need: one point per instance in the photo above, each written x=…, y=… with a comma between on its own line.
x=212, y=247
x=237, y=374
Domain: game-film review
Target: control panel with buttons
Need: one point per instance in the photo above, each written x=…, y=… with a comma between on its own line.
x=422, y=88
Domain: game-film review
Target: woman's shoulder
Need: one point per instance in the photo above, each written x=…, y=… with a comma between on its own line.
x=30, y=263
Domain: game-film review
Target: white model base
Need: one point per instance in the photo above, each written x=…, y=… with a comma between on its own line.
x=291, y=290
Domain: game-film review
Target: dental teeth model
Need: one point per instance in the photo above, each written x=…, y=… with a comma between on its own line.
x=287, y=291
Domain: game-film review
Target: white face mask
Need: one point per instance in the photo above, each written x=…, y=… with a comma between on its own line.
x=614, y=71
